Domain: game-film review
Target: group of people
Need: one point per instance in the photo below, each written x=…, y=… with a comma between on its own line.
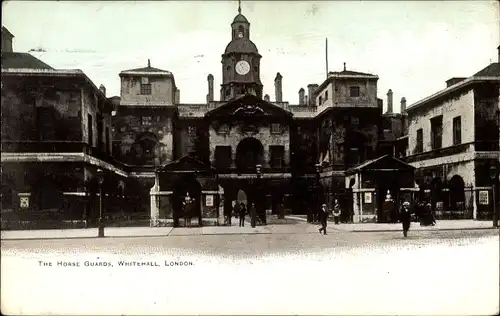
x=423, y=212
x=240, y=211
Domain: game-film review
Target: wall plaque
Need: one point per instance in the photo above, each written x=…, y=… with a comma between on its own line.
x=483, y=198
x=209, y=200
x=368, y=197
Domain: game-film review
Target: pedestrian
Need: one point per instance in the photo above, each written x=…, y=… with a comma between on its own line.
x=405, y=217
x=242, y=213
x=336, y=212
x=253, y=214
x=323, y=214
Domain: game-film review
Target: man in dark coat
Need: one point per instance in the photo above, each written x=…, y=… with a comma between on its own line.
x=242, y=212
x=323, y=214
x=253, y=214
x=405, y=217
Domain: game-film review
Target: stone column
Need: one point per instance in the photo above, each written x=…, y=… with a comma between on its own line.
x=220, y=218
x=155, y=202
x=474, y=204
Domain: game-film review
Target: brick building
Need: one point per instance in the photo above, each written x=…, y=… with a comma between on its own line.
x=155, y=149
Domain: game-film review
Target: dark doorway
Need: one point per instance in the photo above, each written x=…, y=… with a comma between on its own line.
x=249, y=153
x=457, y=196
x=184, y=186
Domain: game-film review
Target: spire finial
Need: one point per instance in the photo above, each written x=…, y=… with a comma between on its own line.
x=239, y=6
x=149, y=63
x=344, y=66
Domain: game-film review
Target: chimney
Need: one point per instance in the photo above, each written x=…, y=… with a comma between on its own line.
x=311, y=88
x=267, y=98
x=277, y=88
x=454, y=80
x=177, y=96
x=103, y=89
x=389, y=101
x=6, y=40
x=498, y=49
x=301, y=96
x=210, y=95
x=306, y=100
x=403, y=105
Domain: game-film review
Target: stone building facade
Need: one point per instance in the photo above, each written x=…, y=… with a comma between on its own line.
x=156, y=149
x=453, y=140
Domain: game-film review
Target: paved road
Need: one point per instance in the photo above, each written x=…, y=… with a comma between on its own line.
x=288, y=273
x=286, y=238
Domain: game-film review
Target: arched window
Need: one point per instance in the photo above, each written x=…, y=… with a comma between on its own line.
x=241, y=30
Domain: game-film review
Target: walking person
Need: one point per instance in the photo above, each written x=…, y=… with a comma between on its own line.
x=405, y=216
x=323, y=214
x=336, y=212
x=242, y=211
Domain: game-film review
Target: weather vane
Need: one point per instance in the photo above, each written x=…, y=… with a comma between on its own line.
x=239, y=6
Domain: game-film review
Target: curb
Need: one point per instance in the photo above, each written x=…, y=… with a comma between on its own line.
x=414, y=230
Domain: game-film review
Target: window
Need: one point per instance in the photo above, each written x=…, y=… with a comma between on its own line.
x=90, y=129
x=336, y=88
x=437, y=132
x=46, y=123
x=420, y=141
x=354, y=91
x=275, y=128
x=326, y=95
x=145, y=88
x=277, y=156
x=146, y=120
x=457, y=130
x=320, y=100
x=224, y=129
x=223, y=157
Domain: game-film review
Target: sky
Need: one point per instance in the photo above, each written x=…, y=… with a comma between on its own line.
x=414, y=47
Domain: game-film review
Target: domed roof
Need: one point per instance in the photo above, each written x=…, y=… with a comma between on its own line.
x=240, y=18
x=241, y=45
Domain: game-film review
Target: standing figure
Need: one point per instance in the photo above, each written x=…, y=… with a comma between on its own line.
x=323, y=213
x=242, y=213
x=253, y=214
x=235, y=211
x=336, y=212
x=405, y=217
x=188, y=203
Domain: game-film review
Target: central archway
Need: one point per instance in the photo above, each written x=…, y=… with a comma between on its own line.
x=249, y=153
x=186, y=185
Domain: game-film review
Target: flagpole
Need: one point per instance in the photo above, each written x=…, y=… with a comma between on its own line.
x=326, y=55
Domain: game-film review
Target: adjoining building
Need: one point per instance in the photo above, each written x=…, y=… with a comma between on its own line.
x=453, y=141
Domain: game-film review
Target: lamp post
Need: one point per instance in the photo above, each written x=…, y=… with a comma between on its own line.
x=318, y=170
x=494, y=181
x=258, y=169
x=100, y=176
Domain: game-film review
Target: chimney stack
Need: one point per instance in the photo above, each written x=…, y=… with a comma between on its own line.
x=301, y=96
x=210, y=95
x=103, y=89
x=312, y=93
x=403, y=105
x=277, y=88
x=389, y=101
x=498, y=49
x=177, y=96
x=267, y=98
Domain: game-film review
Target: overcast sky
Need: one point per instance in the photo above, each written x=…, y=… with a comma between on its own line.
x=412, y=46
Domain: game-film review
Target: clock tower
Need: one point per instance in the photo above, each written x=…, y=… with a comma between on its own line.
x=240, y=62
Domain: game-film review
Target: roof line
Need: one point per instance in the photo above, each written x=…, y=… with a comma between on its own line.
x=447, y=90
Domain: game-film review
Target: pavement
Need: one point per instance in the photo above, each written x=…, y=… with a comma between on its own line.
x=302, y=227
x=463, y=224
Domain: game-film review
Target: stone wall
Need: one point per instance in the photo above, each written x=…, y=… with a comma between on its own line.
x=264, y=135
x=162, y=91
x=461, y=104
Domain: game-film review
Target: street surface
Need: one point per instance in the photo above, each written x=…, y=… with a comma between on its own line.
x=293, y=272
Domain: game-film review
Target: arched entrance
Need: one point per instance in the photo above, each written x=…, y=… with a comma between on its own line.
x=249, y=153
x=456, y=187
x=186, y=189
x=437, y=196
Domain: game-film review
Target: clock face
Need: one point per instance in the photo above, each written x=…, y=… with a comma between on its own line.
x=242, y=67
